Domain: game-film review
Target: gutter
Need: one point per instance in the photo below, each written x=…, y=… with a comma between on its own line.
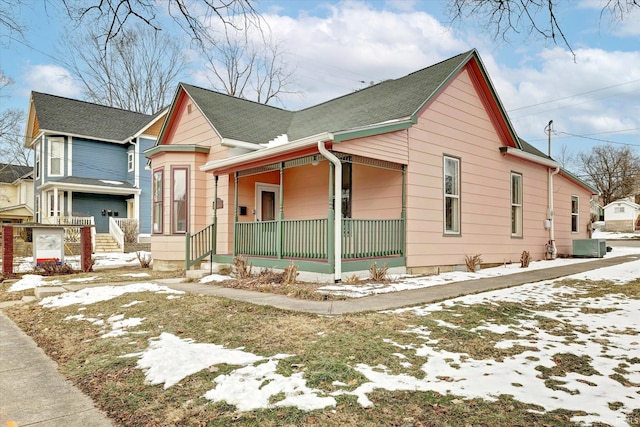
x=309, y=141
x=531, y=157
x=337, y=210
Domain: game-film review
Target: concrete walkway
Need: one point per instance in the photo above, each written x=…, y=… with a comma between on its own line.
x=34, y=393
x=402, y=298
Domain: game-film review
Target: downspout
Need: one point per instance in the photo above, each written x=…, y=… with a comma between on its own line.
x=552, y=237
x=551, y=214
x=337, y=196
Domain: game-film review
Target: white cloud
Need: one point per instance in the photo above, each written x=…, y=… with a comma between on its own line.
x=354, y=44
x=594, y=94
x=51, y=79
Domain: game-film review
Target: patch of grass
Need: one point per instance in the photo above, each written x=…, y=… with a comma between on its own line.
x=324, y=349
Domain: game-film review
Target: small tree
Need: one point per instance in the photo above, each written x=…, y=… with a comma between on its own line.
x=613, y=170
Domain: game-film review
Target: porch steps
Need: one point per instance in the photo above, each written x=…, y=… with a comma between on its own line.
x=105, y=243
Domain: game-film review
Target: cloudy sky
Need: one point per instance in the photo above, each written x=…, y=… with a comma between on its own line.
x=337, y=47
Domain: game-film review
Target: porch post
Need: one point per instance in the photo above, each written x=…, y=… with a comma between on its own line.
x=55, y=206
x=214, y=232
x=281, y=213
x=331, y=247
x=403, y=213
x=235, y=216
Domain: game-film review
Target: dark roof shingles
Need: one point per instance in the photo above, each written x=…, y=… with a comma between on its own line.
x=70, y=116
x=9, y=172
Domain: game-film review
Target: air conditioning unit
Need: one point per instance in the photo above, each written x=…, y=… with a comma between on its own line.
x=589, y=248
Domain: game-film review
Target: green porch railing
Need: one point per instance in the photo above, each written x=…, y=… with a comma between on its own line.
x=368, y=238
x=306, y=238
x=199, y=245
x=256, y=238
x=309, y=238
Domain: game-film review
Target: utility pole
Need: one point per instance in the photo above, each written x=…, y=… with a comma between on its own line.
x=549, y=137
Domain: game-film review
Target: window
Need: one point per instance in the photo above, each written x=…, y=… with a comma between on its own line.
x=618, y=209
x=346, y=189
x=56, y=149
x=37, y=148
x=157, y=200
x=53, y=209
x=574, y=214
x=451, y=195
x=516, y=204
x=130, y=161
x=179, y=200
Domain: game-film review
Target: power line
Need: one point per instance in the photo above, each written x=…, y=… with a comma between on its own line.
x=573, y=96
x=599, y=139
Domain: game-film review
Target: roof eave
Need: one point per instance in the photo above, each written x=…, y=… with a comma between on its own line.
x=374, y=129
x=309, y=141
x=85, y=188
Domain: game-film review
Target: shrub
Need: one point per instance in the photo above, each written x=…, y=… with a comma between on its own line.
x=472, y=261
x=129, y=228
x=525, y=258
x=144, y=259
x=242, y=270
x=378, y=275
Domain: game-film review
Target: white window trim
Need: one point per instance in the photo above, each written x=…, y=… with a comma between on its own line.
x=456, y=196
x=38, y=159
x=131, y=161
x=260, y=187
x=49, y=151
x=519, y=233
x=576, y=214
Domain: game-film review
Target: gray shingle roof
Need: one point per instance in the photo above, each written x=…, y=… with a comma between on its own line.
x=240, y=119
x=258, y=123
x=9, y=172
x=70, y=116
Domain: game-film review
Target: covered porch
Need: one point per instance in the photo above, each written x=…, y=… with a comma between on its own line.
x=329, y=213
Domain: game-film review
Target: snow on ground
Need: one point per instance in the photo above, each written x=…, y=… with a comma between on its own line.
x=30, y=281
x=102, y=293
x=102, y=260
x=601, y=335
x=402, y=283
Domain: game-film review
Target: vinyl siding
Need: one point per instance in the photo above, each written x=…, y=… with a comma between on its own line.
x=391, y=147
x=456, y=124
x=100, y=160
x=86, y=204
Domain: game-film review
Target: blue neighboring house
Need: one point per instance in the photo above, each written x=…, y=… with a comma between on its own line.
x=88, y=161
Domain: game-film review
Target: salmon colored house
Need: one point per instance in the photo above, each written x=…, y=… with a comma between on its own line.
x=415, y=173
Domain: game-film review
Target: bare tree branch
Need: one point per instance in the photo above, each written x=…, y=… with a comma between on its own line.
x=506, y=17
x=249, y=69
x=11, y=134
x=614, y=171
x=138, y=71
x=193, y=16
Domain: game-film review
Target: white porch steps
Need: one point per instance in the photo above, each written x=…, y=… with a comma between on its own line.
x=106, y=243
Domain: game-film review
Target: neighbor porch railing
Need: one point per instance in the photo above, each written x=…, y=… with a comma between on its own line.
x=73, y=225
x=361, y=238
x=119, y=227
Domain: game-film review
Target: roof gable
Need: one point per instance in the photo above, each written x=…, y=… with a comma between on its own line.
x=69, y=116
x=9, y=173
x=388, y=102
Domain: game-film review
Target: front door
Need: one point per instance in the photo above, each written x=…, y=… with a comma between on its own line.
x=267, y=198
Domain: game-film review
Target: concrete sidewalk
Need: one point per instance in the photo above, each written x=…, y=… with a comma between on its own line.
x=33, y=392
x=401, y=298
